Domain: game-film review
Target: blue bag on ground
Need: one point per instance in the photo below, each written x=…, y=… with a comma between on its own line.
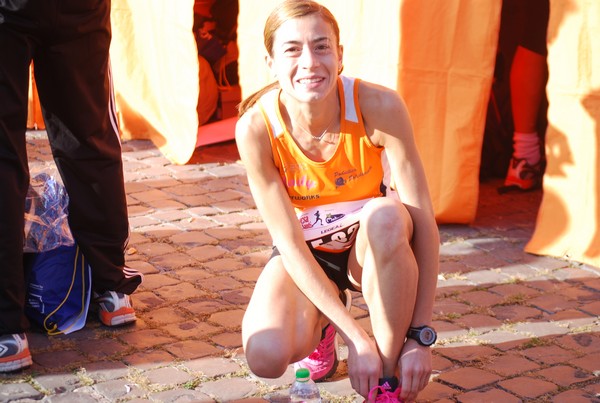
x=59, y=288
x=59, y=278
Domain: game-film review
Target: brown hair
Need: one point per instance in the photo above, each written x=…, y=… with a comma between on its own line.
x=285, y=11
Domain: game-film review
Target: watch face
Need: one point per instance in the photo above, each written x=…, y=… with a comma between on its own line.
x=427, y=336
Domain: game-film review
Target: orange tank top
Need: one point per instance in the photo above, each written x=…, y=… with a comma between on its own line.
x=327, y=195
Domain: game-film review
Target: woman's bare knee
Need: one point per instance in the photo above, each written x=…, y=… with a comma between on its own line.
x=386, y=222
x=267, y=357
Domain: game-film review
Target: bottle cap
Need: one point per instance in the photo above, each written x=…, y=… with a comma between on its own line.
x=302, y=374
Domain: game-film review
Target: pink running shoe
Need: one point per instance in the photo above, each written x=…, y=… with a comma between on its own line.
x=323, y=362
x=387, y=392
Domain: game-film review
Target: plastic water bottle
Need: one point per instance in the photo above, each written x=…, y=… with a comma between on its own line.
x=304, y=389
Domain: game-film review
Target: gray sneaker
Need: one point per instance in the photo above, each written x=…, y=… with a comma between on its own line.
x=14, y=352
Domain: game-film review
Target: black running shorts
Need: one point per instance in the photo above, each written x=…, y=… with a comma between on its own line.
x=335, y=265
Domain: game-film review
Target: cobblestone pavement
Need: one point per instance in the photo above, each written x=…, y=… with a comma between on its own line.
x=512, y=326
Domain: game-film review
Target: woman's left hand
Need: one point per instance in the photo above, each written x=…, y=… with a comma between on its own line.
x=415, y=369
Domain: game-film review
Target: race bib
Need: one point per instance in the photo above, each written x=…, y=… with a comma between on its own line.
x=333, y=227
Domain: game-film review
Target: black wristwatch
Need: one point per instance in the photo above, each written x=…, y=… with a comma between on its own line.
x=424, y=335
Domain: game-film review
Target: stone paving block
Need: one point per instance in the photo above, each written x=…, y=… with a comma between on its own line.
x=191, y=329
x=146, y=300
x=102, y=348
x=174, y=261
x=541, y=329
x=179, y=292
x=225, y=265
x=229, y=233
x=62, y=359
x=192, y=239
x=247, y=274
x=228, y=389
x=488, y=396
x=143, y=267
x=581, y=342
x=138, y=223
x=199, y=205
x=238, y=297
x=440, y=363
x=85, y=395
x=207, y=253
x=213, y=366
x=485, y=277
x=518, y=272
x=571, y=317
x=155, y=249
x=135, y=209
x=593, y=388
x=436, y=391
x=231, y=206
x=119, y=389
x=510, y=365
x=228, y=319
x=170, y=210
x=228, y=340
x=196, y=224
x=220, y=283
x=478, y=322
x=514, y=290
x=576, y=396
x=469, y=378
x=528, y=387
x=194, y=274
x=192, y=349
x=481, y=298
x=165, y=316
x=450, y=307
x=168, y=377
x=548, y=354
x=515, y=313
x=205, y=307
x=155, y=281
x=145, y=359
x=592, y=308
x=552, y=303
x=145, y=338
x=564, y=375
x=452, y=267
x=161, y=231
x=483, y=261
x=107, y=370
x=234, y=219
x=18, y=391
x=467, y=355
x=180, y=395
x=589, y=363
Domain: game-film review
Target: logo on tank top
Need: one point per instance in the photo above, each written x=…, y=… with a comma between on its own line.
x=343, y=178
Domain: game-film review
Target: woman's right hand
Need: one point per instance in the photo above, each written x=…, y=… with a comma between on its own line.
x=364, y=364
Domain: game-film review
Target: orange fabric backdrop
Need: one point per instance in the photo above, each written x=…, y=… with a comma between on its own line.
x=568, y=223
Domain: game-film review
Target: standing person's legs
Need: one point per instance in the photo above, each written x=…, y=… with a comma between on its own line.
x=17, y=49
x=73, y=77
x=528, y=77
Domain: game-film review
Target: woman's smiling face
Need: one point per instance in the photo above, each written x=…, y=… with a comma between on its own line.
x=306, y=58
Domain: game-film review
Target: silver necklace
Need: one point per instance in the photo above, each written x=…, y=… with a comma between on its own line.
x=319, y=137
